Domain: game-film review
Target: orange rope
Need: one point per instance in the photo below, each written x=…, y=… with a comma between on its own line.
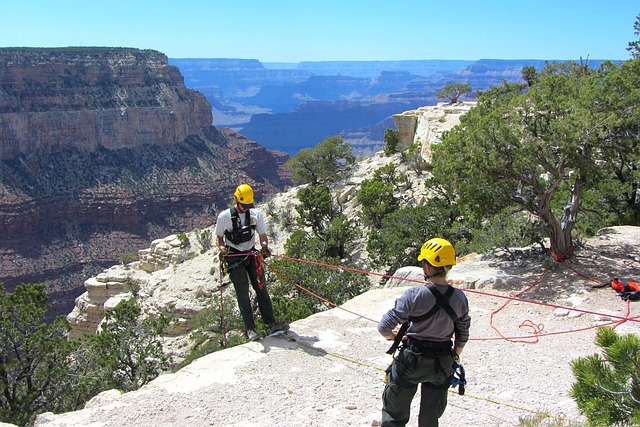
x=314, y=294
x=536, y=328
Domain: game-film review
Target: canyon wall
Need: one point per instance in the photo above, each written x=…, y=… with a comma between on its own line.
x=103, y=150
x=52, y=99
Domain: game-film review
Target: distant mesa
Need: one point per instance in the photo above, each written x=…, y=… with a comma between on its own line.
x=290, y=106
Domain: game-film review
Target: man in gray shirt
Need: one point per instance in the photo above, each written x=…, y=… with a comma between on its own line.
x=435, y=312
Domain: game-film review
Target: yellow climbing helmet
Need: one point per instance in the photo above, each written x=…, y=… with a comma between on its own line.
x=438, y=252
x=244, y=195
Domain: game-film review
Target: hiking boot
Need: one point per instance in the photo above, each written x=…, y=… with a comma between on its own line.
x=279, y=327
x=253, y=335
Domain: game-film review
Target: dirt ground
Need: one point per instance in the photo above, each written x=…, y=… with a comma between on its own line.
x=526, y=330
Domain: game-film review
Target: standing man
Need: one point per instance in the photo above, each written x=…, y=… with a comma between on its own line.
x=235, y=231
x=434, y=312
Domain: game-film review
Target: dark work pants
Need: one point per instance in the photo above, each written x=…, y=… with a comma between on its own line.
x=240, y=276
x=409, y=370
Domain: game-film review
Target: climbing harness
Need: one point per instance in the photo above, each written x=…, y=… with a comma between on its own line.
x=430, y=348
x=240, y=233
x=442, y=301
x=242, y=258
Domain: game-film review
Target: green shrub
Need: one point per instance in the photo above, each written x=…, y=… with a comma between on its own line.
x=205, y=239
x=184, y=240
x=607, y=387
x=127, y=258
x=391, y=141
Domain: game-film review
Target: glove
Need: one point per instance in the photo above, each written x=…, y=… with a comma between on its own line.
x=223, y=254
x=265, y=252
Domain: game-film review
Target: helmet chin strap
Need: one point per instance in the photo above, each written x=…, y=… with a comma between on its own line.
x=437, y=272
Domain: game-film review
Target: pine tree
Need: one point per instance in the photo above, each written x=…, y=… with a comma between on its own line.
x=607, y=389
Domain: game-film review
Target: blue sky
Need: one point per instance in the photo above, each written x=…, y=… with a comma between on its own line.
x=330, y=30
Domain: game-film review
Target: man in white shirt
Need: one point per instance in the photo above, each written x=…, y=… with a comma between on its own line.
x=235, y=230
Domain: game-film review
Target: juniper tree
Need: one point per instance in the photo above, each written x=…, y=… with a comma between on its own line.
x=35, y=375
x=376, y=196
x=454, y=91
x=322, y=163
x=547, y=148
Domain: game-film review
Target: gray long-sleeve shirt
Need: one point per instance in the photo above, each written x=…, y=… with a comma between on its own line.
x=417, y=301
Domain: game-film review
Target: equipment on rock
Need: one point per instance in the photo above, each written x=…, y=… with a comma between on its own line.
x=630, y=296
x=285, y=335
x=627, y=290
x=278, y=327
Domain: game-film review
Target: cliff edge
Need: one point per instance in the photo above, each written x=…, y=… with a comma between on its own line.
x=103, y=150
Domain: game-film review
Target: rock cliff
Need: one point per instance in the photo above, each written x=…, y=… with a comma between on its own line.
x=179, y=280
x=54, y=99
x=103, y=150
x=424, y=126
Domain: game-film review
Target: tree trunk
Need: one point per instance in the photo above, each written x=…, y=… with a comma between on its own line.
x=560, y=237
x=559, y=232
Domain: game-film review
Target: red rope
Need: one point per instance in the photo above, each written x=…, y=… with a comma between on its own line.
x=563, y=256
x=223, y=324
x=536, y=328
x=257, y=258
x=471, y=291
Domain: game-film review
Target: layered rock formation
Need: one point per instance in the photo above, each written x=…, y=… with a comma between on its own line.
x=425, y=125
x=55, y=99
x=103, y=150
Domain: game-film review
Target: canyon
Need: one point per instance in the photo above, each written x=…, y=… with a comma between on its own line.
x=103, y=150
x=290, y=106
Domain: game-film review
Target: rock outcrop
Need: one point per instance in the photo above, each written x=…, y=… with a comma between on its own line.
x=328, y=370
x=102, y=151
x=425, y=125
x=162, y=280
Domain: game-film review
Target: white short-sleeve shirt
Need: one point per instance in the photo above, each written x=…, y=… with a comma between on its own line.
x=224, y=223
